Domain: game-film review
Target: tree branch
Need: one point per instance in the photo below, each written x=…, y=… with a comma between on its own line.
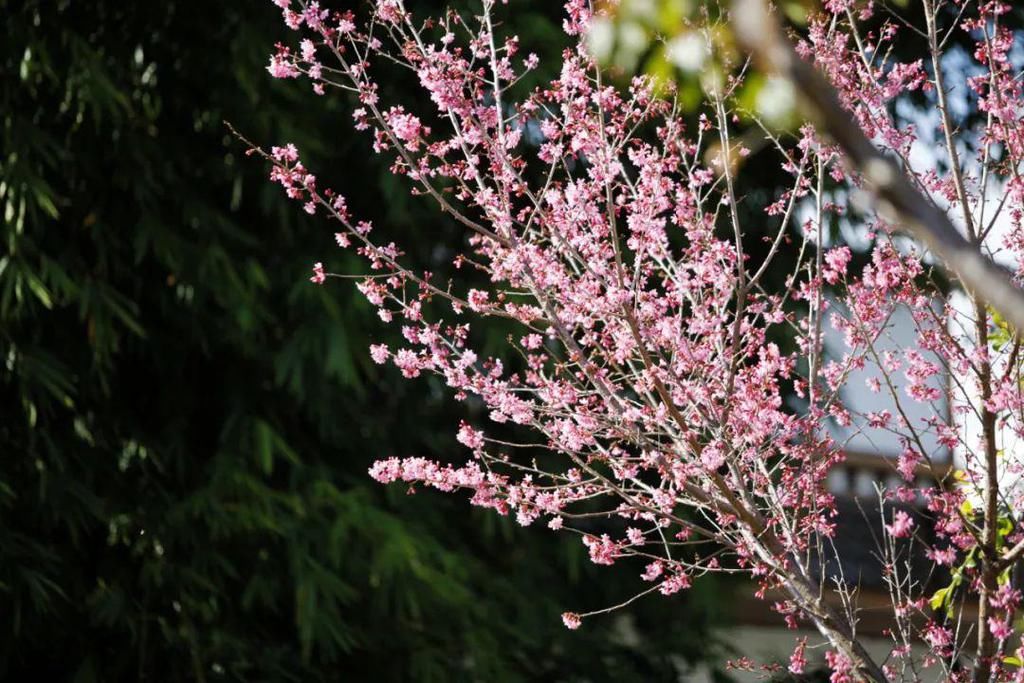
x=758, y=31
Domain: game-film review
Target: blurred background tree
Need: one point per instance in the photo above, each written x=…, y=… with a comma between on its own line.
x=187, y=422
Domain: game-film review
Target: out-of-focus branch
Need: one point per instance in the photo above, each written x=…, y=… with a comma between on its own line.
x=760, y=32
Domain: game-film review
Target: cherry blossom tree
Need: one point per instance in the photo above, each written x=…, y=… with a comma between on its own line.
x=659, y=399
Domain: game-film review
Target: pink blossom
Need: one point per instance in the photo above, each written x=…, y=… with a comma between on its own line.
x=282, y=67
x=389, y=11
x=406, y=127
x=379, y=353
x=674, y=583
x=470, y=437
x=602, y=550
x=902, y=525
x=908, y=463
x=386, y=471
x=798, y=659
x=408, y=363
x=318, y=274
x=1001, y=628
x=578, y=16
x=938, y=637
x=653, y=571
x=532, y=341
x=1006, y=597
x=477, y=300
x=841, y=666
x=836, y=261
x=945, y=557
x=287, y=154
x=571, y=620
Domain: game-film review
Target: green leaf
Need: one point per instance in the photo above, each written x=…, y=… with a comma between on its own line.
x=39, y=289
x=264, y=446
x=941, y=598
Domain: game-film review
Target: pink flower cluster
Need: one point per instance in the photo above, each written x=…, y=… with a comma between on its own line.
x=647, y=365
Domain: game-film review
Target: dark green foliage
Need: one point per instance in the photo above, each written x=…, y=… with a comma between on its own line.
x=187, y=422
